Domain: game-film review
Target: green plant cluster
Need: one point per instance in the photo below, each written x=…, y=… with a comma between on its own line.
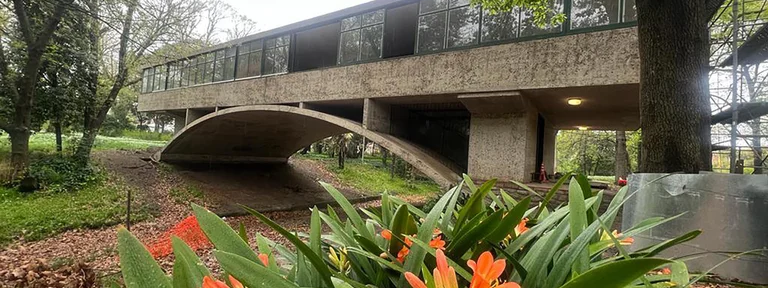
x=565, y=247
x=57, y=173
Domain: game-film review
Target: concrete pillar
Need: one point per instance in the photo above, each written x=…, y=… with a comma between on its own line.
x=502, y=146
x=550, y=137
x=377, y=116
x=178, y=123
x=194, y=114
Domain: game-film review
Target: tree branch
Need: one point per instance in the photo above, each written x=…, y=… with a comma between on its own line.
x=21, y=15
x=50, y=26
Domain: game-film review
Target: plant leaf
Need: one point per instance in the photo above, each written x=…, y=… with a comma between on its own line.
x=221, y=234
x=139, y=269
x=252, y=275
x=188, y=270
x=615, y=275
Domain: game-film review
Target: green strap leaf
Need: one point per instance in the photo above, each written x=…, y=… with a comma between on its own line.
x=139, y=268
x=188, y=270
x=550, y=194
x=475, y=205
x=221, y=234
x=615, y=275
x=348, y=209
x=252, y=275
x=578, y=221
x=316, y=260
x=510, y=221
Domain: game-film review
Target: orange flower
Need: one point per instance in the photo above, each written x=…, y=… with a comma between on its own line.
x=437, y=243
x=386, y=234
x=487, y=272
x=405, y=250
x=666, y=271
x=521, y=228
x=264, y=259
x=444, y=275
x=209, y=282
x=437, y=232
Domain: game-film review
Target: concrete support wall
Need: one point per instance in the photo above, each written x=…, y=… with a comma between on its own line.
x=194, y=114
x=178, y=123
x=502, y=146
x=376, y=116
x=550, y=138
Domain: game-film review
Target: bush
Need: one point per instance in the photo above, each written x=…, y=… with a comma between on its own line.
x=504, y=242
x=146, y=135
x=57, y=173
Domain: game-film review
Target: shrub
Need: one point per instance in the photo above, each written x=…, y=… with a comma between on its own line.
x=57, y=173
x=499, y=238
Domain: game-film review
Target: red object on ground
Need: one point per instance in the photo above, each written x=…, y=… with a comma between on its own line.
x=187, y=230
x=622, y=182
x=542, y=174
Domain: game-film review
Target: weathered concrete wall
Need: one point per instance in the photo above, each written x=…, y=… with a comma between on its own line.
x=588, y=59
x=502, y=146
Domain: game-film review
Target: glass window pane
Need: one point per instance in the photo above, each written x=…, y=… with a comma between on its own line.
x=370, y=47
x=374, y=17
x=277, y=60
x=591, y=13
x=171, y=76
x=244, y=48
x=630, y=11
x=220, y=54
x=463, y=26
x=207, y=72
x=284, y=40
x=457, y=3
x=426, y=6
x=231, y=51
x=242, y=65
x=218, y=72
x=528, y=28
x=159, y=78
x=431, y=32
x=147, y=81
x=210, y=56
x=350, y=23
x=349, y=48
x=254, y=64
x=271, y=43
x=229, y=68
x=501, y=26
x=184, y=76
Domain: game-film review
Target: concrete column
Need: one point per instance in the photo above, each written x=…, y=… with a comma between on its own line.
x=178, y=123
x=550, y=137
x=194, y=114
x=502, y=146
x=377, y=116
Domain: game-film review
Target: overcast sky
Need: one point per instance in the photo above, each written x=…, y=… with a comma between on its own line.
x=275, y=13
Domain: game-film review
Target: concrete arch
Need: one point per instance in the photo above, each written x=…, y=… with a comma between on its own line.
x=272, y=133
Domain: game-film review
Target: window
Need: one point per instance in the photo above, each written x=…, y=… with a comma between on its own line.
x=361, y=37
x=218, y=66
x=249, y=59
x=447, y=24
x=173, y=75
x=194, y=72
x=501, y=26
x=592, y=13
x=159, y=78
x=147, y=78
x=184, y=73
x=276, y=55
x=209, y=65
x=630, y=11
x=229, y=63
x=200, y=75
x=528, y=28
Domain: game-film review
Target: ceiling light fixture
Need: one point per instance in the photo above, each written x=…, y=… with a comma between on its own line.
x=574, y=101
x=583, y=128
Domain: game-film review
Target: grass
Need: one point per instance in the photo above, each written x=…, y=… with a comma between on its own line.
x=39, y=215
x=372, y=177
x=184, y=195
x=46, y=143
x=608, y=179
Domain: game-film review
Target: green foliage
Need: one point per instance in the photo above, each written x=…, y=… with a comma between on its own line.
x=56, y=173
x=40, y=215
x=593, y=152
x=542, y=11
x=566, y=247
x=146, y=135
x=186, y=194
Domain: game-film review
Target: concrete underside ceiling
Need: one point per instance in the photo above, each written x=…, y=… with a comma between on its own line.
x=612, y=107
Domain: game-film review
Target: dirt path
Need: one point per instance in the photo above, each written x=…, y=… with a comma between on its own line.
x=284, y=188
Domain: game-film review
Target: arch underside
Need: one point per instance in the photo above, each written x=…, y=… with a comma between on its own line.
x=272, y=133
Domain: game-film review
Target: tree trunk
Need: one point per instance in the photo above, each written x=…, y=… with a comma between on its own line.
x=19, y=152
x=57, y=128
x=622, y=157
x=674, y=97
x=384, y=156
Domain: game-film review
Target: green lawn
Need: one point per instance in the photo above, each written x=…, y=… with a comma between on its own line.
x=372, y=177
x=95, y=202
x=39, y=215
x=46, y=143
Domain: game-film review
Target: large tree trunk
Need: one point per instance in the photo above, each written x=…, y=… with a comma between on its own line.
x=57, y=129
x=622, y=157
x=19, y=151
x=674, y=96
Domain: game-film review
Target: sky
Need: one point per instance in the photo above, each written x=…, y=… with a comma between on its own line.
x=275, y=13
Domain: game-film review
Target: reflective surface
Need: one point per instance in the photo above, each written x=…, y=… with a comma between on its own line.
x=731, y=210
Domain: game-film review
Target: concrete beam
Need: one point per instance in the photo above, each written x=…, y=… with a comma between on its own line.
x=194, y=114
x=495, y=102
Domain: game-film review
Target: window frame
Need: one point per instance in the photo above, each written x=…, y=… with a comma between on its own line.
x=359, y=29
x=447, y=10
x=268, y=48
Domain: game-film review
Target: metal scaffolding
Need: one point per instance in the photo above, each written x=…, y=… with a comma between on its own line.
x=739, y=86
